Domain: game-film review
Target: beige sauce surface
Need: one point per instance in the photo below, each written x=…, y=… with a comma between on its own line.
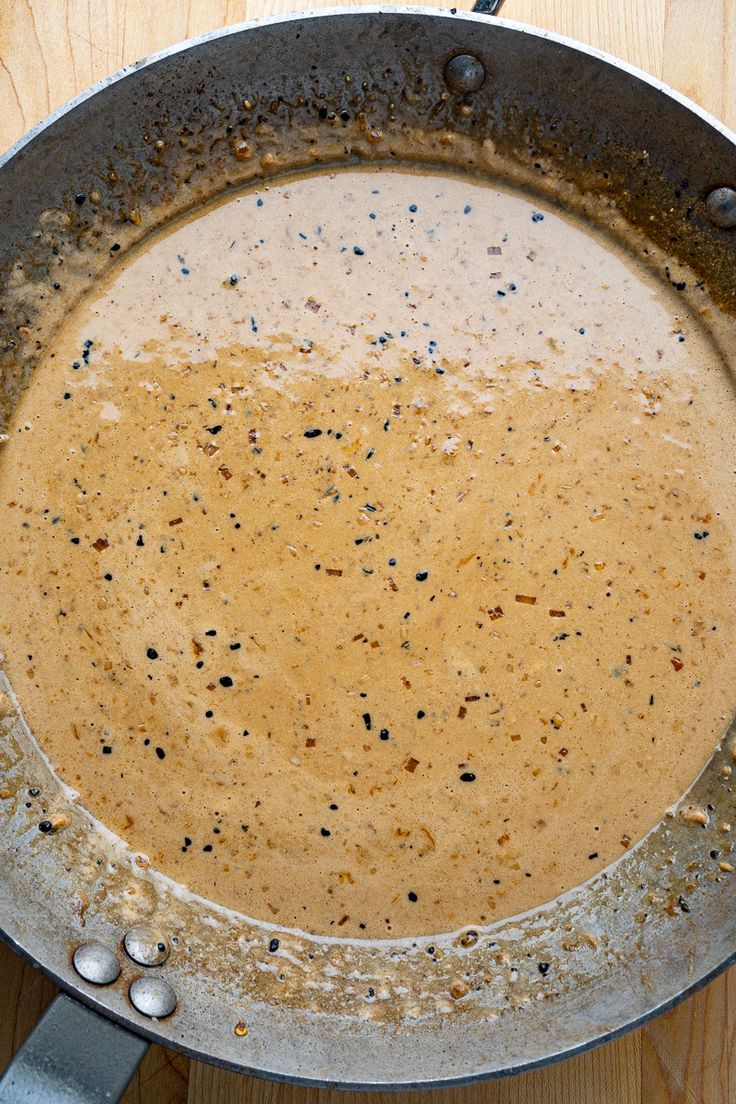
x=367, y=553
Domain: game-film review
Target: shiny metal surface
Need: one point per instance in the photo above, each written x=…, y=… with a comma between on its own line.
x=147, y=945
x=721, y=206
x=464, y=73
x=152, y=997
x=96, y=963
x=487, y=7
x=72, y=1057
x=619, y=949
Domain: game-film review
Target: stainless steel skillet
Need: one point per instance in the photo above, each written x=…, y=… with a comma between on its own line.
x=616, y=951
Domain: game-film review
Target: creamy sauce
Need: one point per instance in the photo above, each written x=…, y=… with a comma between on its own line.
x=367, y=556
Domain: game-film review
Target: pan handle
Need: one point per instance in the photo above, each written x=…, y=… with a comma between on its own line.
x=72, y=1056
x=487, y=7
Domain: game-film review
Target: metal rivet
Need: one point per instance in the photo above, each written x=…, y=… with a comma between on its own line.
x=464, y=73
x=146, y=945
x=153, y=997
x=721, y=207
x=96, y=963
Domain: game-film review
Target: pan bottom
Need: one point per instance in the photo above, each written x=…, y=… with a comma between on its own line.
x=370, y=541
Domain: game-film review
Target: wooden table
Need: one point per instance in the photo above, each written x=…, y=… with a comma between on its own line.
x=50, y=50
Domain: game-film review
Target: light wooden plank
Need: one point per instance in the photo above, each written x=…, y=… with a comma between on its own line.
x=694, y=62
x=700, y=53
x=729, y=66
x=689, y=1054
x=607, y=1075
x=210, y=1086
x=632, y=31
x=149, y=27
x=163, y=1078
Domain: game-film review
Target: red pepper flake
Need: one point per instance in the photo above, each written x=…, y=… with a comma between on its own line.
x=101, y=544
x=462, y=712
x=225, y=472
x=252, y=436
x=472, y=697
x=344, y=920
x=628, y=659
x=494, y=275
x=411, y=765
x=391, y=584
x=557, y=613
x=526, y=599
x=563, y=752
x=334, y=570
x=350, y=470
x=494, y=250
x=495, y=613
x=677, y=664
x=310, y=742
x=210, y=449
x=625, y=841
x=176, y=521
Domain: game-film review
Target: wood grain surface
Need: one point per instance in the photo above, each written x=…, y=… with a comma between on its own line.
x=49, y=51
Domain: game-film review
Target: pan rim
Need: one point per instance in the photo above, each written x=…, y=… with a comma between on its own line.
x=370, y=1086
x=366, y=9
x=179, y=48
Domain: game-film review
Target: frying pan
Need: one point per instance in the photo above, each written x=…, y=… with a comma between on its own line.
x=146, y=962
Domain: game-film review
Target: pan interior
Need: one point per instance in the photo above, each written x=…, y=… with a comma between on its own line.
x=368, y=552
